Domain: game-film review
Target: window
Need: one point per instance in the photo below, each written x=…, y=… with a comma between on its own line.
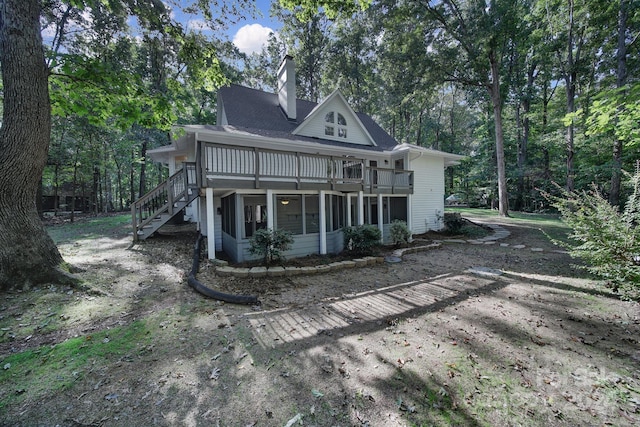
x=340, y=123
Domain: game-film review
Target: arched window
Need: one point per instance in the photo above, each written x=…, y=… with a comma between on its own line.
x=335, y=125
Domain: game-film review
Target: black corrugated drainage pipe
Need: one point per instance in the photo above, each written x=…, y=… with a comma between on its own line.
x=204, y=290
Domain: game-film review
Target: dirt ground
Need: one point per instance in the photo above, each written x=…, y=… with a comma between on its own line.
x=526, y=339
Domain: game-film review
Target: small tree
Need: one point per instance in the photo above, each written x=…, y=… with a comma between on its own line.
x=400, y=233
x=362, y=239
x=270, y=244
x=607, y=239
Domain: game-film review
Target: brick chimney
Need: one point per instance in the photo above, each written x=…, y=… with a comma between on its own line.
x=287, y=87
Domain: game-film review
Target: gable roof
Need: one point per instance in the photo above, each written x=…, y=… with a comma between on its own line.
x=331, y=103
x=259, y=113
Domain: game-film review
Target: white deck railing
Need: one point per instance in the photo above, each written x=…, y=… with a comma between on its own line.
x=224, y=162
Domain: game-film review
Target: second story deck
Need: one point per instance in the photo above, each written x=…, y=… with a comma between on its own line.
x=226, y=166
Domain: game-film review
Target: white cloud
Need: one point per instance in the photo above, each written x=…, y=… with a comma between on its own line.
x=251, y=38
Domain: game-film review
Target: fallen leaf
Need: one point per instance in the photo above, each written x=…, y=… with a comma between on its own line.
x=215, y=374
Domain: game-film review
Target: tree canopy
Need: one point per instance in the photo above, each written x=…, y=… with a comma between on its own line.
x=532, y=91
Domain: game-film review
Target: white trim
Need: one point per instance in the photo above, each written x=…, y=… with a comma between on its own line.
x=322, y=106
x=211, y=233
x=323, y=223
x=349, y=210
x=270, y=209
x=360, y=207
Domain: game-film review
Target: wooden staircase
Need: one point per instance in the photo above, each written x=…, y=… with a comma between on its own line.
x=158, y=206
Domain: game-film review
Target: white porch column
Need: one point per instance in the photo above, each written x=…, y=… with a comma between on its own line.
x=211, y=231
x=349, y=210
x=360, y=207
x=270, y=209
x=380, y=217
x=323, y=224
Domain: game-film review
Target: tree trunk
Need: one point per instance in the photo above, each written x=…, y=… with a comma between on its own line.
x=27, y=253
x=569, y=135
x=496, y=99
x=621, y=80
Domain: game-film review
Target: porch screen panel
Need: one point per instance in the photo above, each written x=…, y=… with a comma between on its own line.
x=289, y=215
x=398, y=208
x=254, y=214
x=312, y=214
x=229, y=215
x=339, y=212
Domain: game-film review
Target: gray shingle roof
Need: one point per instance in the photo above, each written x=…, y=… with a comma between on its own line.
x=259, y=113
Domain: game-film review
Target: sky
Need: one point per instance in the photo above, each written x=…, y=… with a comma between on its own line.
x=249, y=34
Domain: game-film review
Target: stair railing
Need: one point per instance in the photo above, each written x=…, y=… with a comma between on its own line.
x=162, y=198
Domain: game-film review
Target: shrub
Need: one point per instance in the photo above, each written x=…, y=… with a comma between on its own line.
x=453, y=222
x=605, y=238
x=400, y=233
x=270, y=244
x=362, y=239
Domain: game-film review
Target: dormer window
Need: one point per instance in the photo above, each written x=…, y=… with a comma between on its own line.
x=335, y=121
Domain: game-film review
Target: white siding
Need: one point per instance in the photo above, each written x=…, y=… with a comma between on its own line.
x=316, y=125
x=428, y=197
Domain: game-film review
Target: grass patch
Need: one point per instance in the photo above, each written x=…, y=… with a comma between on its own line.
x=90, y=228
x=41, y=371
x=550, y=224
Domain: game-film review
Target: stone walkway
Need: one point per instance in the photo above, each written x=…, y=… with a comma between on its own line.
x=339, y=316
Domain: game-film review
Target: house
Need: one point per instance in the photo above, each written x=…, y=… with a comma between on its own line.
x=274, y=161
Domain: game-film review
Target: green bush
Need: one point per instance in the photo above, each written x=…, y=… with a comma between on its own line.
x=400, y=233
x=362, y=239
x=605, y=238
x=270, y=244
x=453, y=222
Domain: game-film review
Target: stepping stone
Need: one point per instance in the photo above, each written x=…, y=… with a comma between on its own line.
x=392, y=259
x=537, y=250
x=504, y=245
x=455, y=241
x=518, y=246
x=485, y=271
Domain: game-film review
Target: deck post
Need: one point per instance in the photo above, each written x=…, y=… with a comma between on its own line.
x=211, y=233
x=381, y=217
x=349, y=210
x=323, y=224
